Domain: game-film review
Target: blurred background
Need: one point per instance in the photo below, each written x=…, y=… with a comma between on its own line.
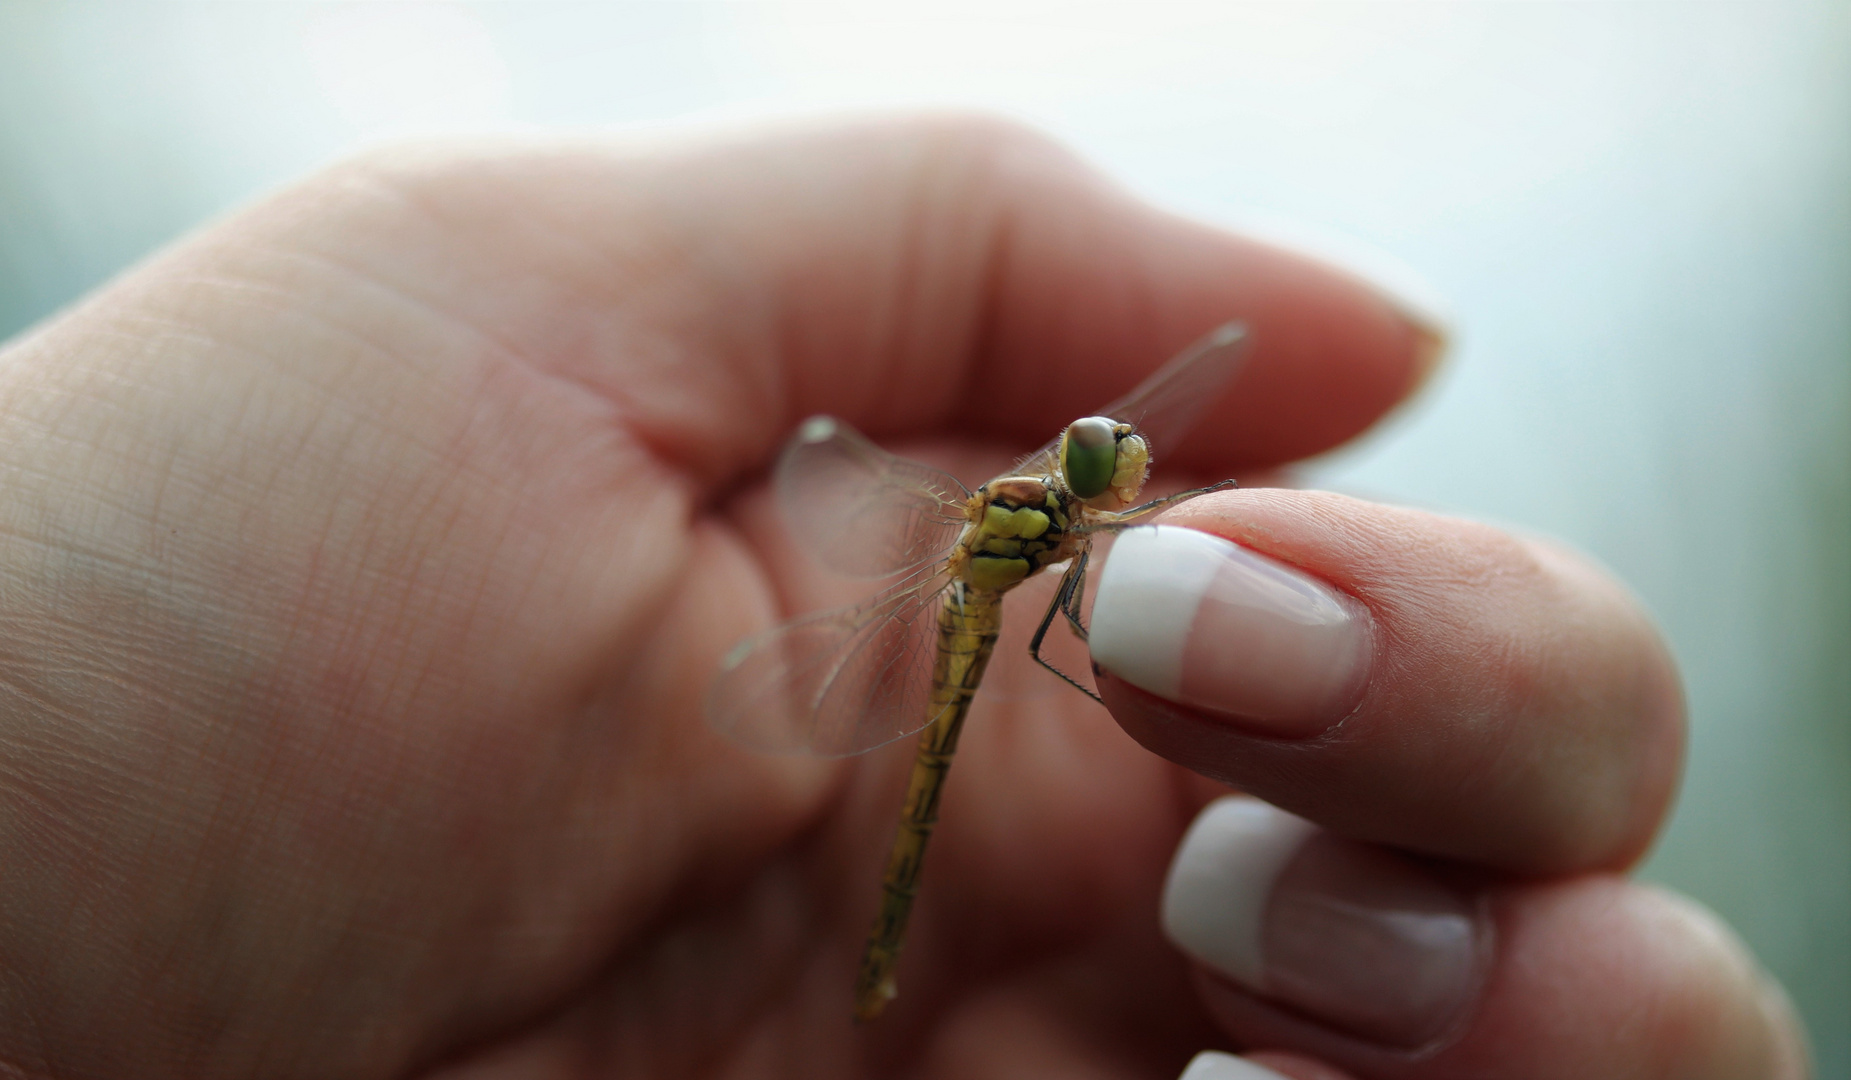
x=1639, y=217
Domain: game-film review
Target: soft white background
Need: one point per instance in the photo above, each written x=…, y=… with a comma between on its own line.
x=1639, y=215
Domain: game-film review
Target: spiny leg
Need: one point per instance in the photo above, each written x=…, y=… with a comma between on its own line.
x=1077, y=595
x=1122, y=519
x=1069, y=586
x=1069, y=598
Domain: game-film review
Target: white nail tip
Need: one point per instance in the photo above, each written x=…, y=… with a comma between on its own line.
x=1214, y=1065
x=1148, y=593
x=1215, y=897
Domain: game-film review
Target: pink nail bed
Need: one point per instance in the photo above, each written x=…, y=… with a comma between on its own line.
x=1202, y=621
x=1354, y=937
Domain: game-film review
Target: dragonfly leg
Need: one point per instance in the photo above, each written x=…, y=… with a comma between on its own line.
x=1077, y=595
x=1069, y=586
x=1123, y=519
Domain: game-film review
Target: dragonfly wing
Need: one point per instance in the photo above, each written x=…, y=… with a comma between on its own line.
x=860, y=510
x=834, y=683
x=1039, y=463
x=1166, y=406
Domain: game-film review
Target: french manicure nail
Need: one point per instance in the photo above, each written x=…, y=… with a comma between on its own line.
x=1202, y=621
x=1353, y=937
x=1214, y=1065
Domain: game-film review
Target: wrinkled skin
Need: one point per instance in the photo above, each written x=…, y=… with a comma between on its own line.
x=367, y=555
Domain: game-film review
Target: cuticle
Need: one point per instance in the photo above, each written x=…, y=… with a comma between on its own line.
x=1370, y=679
x=1485, y=939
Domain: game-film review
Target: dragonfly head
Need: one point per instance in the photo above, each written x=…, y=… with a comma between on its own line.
x=1103, y=462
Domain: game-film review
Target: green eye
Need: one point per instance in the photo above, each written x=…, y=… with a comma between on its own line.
x=1089, y=454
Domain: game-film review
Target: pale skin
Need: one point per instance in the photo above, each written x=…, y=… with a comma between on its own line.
x=366, y=556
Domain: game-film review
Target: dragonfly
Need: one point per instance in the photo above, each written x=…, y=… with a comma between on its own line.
x=911, y=658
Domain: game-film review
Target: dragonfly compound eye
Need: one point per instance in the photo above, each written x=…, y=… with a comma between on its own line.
x=1089, y=455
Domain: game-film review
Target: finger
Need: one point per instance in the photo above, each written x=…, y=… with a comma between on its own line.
x=1389, y=967
x=1395, y=676
x=912, y=276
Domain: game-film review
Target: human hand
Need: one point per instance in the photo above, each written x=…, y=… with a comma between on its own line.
x=368, y=554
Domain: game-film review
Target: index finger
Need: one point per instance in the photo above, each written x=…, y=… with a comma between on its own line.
x=918, y=276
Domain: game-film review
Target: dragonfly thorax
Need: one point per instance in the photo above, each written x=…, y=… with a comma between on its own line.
x=1018, y=525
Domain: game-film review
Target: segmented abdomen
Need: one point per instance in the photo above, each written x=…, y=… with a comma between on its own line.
x=968, y=622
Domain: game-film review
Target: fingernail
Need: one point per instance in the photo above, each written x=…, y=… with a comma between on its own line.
x=1214, y=1065
x=1353, y=937
x=1430, y=347
x=1198, y=620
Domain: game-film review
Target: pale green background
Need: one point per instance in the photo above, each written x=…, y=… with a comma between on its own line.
x=1639, y=215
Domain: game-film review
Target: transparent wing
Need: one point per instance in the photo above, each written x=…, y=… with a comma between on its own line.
x=861, y=511
x=837, y=682
x=1166, y=406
